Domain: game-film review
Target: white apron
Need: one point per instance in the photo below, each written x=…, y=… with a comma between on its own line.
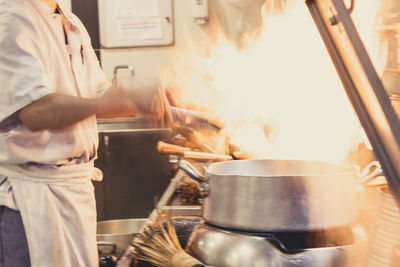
x=57, y=204
x=59, y=214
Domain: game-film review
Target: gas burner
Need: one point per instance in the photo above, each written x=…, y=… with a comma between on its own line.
x=295, y=241
x=228, y=248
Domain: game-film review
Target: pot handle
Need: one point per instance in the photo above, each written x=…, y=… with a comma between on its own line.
x=370, y=172
x=106, y=244
x=191, y=171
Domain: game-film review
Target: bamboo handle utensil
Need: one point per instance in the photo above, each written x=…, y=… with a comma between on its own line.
x=169, y=149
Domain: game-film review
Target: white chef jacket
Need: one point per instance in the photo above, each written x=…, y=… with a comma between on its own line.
x=48, y=172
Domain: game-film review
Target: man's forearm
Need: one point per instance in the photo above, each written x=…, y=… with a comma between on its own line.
x=58, y=111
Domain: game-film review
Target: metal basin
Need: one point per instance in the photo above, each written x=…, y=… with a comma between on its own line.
x=384, y=230
x=127, y=125
x=114, y=236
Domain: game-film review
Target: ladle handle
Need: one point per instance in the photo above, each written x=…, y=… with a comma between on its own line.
x=191, y=171
x=169, y=149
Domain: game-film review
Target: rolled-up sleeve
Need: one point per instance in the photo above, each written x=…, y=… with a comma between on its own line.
x=22, y=76
x=103, y=84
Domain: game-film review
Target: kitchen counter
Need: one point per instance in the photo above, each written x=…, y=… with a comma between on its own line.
x=140, y=123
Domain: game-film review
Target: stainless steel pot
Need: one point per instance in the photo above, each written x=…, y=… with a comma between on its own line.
x=114, y=236
x=277, y=195
x=384, y=230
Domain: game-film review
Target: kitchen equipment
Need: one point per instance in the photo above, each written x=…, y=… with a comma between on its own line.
x=169, y=149
x=195, y=119
x=388, y=20
x=228, y=248
x=202, y=129
x=200, y=11
x=160, y=246
x=114, y=236
x=118, y=67
x=366, y=199
x=391, y=75
x=362, y=84
x=367, y=191
x=108, y=261
x=384, y=230
x=395, y=257
x=277, y=195
x=195, y=138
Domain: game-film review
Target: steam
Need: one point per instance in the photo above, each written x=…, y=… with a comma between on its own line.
x=276, y=7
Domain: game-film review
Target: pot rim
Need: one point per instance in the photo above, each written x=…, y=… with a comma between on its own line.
x=116, y=235
x=343, y=169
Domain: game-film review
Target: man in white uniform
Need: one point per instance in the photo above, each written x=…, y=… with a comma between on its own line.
x=51, y=91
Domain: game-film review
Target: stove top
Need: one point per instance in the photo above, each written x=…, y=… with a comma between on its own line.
x=296, y=241
x=226, y=248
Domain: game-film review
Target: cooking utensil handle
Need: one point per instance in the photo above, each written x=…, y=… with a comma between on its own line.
x=370, y=172
x=191, y=171
x=206, y=156
x=203, y=120
x=169, y=149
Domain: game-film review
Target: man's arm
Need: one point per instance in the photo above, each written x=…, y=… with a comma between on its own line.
x=58, y=111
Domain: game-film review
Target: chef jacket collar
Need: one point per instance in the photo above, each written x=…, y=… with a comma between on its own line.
x=42, y=8
x=46, y=11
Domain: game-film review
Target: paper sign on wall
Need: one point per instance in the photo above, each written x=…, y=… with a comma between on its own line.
x=140, y=28
x=135, y=22
x=137, y=8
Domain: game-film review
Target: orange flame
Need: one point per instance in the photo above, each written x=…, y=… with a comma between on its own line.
x=284, y=83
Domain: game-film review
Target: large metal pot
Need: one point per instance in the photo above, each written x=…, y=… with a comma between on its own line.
x=384, y=231
x=114, y=236
x=277, y=195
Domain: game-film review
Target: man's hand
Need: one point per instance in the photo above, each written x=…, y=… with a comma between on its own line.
x=115, y=104
x=150, y=100
x=160, y=108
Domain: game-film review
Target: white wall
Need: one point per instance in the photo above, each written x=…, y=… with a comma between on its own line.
x=146, y=60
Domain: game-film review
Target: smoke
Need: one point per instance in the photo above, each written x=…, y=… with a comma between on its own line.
x=276, y=7
x=389, y=12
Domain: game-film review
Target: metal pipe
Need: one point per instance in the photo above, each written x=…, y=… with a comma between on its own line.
x=362, y=85
x=118, y=67
x=351, y=8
